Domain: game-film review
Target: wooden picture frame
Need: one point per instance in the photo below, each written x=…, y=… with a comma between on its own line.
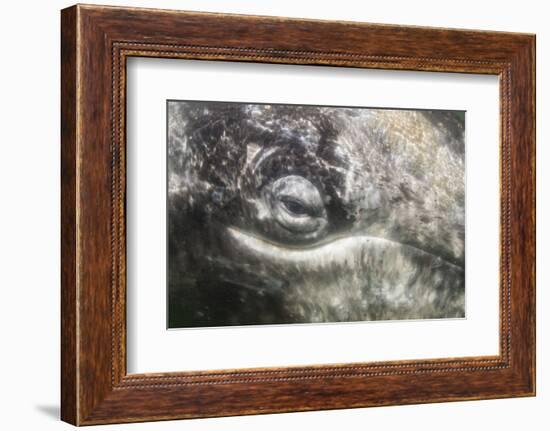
x=96, y=41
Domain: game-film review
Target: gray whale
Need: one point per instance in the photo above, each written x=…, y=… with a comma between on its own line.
x=301, y=214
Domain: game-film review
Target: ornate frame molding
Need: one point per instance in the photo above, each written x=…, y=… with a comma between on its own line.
x=96, y=41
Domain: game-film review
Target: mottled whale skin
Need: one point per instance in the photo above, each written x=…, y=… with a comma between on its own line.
x=299, y=214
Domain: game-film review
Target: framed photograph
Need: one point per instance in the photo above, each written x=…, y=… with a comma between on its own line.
x=265, y=214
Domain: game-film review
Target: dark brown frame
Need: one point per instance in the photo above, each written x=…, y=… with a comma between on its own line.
x=95, y=43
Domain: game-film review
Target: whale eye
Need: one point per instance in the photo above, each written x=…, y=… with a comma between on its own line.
x=297, y=208
x=294, y=207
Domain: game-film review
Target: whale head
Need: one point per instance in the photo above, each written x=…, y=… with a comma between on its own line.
x=297, y=214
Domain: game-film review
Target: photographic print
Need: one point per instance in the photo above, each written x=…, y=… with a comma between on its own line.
x=282, y=214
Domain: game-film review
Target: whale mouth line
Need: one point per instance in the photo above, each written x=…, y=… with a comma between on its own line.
x=270, y=247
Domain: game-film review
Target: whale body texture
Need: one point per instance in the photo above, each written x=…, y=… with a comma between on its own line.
x=284, y=214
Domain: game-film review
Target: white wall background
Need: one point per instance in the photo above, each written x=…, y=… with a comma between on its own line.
x=29, y=215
